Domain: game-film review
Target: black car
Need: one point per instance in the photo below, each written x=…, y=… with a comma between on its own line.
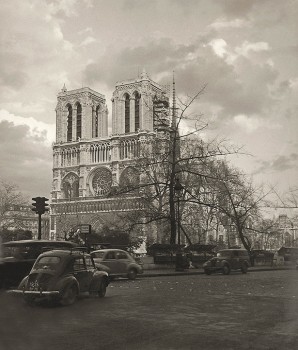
x=227, y=260
x=19, y=257
x=61, y=276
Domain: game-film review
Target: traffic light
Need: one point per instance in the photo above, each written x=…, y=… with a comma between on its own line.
x=39, y=205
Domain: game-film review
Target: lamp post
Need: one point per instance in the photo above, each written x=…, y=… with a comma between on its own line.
x=179, y=257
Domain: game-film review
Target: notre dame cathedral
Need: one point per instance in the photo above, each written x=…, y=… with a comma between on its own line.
x=89, y=163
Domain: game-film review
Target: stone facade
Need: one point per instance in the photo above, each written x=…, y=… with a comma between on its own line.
x=89, y=164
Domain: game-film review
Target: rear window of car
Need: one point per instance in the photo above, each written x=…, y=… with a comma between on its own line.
x=49, y=262
x=224, y=253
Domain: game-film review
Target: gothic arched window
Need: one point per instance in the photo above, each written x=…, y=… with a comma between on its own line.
x=69, y=123
x=79, y=120
x=127, y=113
x=137, y=111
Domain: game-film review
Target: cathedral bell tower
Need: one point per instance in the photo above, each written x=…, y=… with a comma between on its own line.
x=89, y=166
x=137, y=104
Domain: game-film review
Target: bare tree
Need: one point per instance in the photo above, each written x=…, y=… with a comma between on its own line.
x=10, y=195
x=170, y=156
x=239, y=201
x=287, y=200
x=265, y=233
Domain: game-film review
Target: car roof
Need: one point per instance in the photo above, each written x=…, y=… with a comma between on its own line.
x=108, y=250
x=233, y=250
x=64, y=252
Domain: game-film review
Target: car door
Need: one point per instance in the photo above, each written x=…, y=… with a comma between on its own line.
x=111, y=262
x=123, y=262
x=81, y=273
x=235, y=260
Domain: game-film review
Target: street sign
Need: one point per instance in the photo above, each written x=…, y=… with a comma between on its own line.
x=85, y=229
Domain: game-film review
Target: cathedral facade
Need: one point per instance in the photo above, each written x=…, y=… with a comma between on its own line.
x=89, y=163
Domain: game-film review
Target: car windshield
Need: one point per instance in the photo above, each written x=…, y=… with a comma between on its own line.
x=47, y=262
x=223, y=253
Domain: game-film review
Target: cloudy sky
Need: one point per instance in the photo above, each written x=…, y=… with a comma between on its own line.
x=244, y=50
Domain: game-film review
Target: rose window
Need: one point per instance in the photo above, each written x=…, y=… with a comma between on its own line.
x=102, y=182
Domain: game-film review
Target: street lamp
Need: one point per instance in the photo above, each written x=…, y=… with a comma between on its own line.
x=179, y=257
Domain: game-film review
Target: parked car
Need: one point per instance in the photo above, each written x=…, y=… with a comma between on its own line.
x=227, y=260
x=119, y=263
x=289, y=254
x=61, y=275
x=19, y=257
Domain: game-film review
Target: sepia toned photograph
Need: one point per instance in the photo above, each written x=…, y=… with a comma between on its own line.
x=148, y=174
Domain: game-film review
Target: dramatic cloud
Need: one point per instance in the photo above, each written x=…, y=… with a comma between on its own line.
x=279, y=164
x=25, y=159
x=36, y=129
x=245, y=51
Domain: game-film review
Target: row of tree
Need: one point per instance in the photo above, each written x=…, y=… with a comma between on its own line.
x=188, y=186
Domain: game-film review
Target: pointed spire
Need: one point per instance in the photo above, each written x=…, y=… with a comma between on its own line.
x=174, y=102
x=144, y=74
x=64, y=88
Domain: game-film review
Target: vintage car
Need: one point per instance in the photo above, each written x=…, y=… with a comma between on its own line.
x=227, y=260
x=119, y=263
x=19, y=257
x=60, y=276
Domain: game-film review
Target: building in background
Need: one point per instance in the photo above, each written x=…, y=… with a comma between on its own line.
x=289, y=230
x=89, y=164
x=21, y=217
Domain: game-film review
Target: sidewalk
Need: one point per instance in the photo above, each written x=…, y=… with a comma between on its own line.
x=199, y=271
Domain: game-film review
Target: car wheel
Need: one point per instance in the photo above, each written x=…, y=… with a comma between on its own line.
x=132, y=274
x=226, y=270
x=207, y=272
x=102, y=288
x=69, y=295
x=244, y=268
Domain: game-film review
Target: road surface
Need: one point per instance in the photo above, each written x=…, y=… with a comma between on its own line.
x=258, y=310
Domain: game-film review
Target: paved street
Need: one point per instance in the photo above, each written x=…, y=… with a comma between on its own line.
x=254, y=311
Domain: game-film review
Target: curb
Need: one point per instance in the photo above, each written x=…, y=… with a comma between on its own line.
x=191, y=273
